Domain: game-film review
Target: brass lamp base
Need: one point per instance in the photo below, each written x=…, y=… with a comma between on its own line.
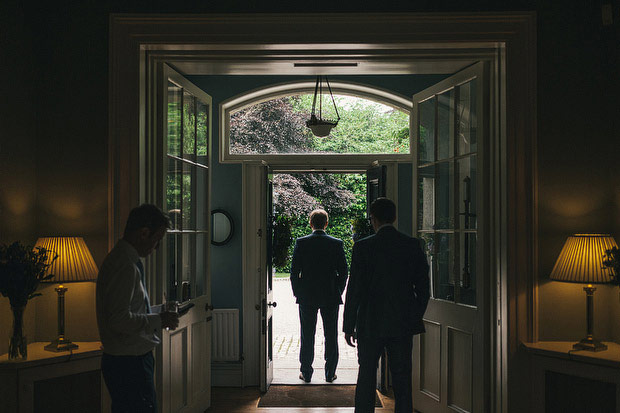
x=590, y=344
x=61, y=344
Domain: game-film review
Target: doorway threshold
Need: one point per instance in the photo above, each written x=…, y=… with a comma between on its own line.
x=290, y=376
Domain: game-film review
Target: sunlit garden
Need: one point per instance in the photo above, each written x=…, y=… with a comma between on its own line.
x=278, y=126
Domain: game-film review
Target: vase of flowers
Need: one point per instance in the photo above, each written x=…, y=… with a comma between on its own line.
x=22, y=268
x=611, y=260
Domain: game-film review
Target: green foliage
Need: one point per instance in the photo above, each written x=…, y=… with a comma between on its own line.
x=277, y=126
x=282, y=240
x=22, y=268
x=361, y=228
x=194, y=134
x=269, y=127
x=340, y=219
x=365, y=126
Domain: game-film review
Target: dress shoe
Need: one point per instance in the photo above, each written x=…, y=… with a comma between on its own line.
x=304, y=378
x=330, y=379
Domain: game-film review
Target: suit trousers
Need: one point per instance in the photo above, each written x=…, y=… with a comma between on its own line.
x=369, y=349
x=129, y=380
x=307, y=318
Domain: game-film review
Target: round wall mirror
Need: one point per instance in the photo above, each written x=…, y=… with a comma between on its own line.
x=222, y=227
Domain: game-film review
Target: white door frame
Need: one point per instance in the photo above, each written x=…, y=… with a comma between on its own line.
x=255, y=250
x=425, y=40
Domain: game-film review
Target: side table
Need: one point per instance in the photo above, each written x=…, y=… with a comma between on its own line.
x=567, y=380
x=68, y=381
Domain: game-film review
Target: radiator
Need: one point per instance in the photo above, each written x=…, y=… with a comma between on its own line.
x=225, y=346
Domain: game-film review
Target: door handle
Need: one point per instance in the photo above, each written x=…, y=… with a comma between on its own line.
x=267, y=304
x=208, y=307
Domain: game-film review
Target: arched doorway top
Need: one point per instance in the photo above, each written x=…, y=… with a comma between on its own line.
x=383, y=97
x=262, y=94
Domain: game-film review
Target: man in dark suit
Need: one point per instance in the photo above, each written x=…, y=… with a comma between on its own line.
x=386, y=298
x=318, y=277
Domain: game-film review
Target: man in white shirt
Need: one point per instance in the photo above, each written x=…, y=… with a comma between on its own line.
x=128, y=325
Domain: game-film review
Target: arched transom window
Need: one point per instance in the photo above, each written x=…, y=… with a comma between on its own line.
x=270, y=124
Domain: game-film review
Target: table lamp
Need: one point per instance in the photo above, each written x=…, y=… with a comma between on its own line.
x=74, y=264
x=581, y=261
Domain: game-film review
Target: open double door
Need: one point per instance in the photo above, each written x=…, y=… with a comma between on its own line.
x=451, y=360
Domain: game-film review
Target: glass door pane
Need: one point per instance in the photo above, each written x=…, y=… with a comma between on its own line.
x=189, y=126
x=467, y=192
x=174, y=120
x=426, y=132
x=187, y=187
x=468, y=268
x=188, y=254
x=447, y=192
x=445, y=125
x=172, y=260
x=202, y=133
x=173, y=193
x=187, y=208
x=426, y=198
x=445, y=196
x=444, y=276
x=467, y=121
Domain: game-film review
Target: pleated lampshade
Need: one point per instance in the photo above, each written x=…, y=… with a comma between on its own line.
x=581, y=259
x=75, y=262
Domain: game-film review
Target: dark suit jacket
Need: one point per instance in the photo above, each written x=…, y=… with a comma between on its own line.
x=318, y=270
x=388, y=287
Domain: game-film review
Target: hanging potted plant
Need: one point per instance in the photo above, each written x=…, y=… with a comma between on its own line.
x=22, y=268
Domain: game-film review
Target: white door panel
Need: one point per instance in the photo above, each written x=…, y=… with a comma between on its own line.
x=449, y=359
x=184, y=361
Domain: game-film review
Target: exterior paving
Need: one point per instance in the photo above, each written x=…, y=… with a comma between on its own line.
x=286, y=337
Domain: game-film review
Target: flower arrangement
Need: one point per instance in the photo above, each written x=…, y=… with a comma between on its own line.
x=611, y=260
x=22, y=268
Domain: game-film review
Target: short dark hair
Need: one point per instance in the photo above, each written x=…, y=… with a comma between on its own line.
x=318, y=218
x=384, y=210
x=146, y=215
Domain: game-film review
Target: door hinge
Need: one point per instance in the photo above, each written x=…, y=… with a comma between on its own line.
x=259, y=232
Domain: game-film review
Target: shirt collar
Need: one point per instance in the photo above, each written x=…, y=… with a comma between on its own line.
x=384, y=226
x=129, y=249
x=318, y=231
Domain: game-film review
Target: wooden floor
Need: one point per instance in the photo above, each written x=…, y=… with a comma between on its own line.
x=237, y=400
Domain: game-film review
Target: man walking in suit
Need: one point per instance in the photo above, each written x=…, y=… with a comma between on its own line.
x=318, y=277
x=386, y=298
